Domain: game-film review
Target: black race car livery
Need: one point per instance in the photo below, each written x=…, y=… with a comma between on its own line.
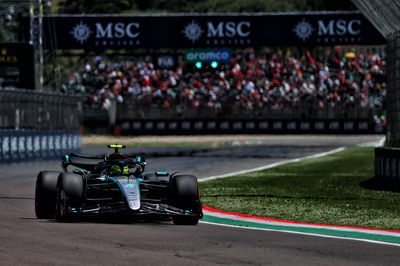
x=114, y=185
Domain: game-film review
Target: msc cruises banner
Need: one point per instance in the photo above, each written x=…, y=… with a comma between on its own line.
x=214, y=31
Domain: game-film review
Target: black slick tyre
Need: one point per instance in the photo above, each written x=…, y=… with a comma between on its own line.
x=186, y=196
x=46, y=194
x=70, y=195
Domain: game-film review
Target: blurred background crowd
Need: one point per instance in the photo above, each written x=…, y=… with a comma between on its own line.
x=275, y=79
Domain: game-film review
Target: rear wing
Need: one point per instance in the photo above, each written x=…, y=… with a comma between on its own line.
x=69, y=160
x=73, y=159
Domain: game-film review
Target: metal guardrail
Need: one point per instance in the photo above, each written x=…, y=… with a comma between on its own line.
x=24, y=109
x=387, y=168
x=38, y=125
x=134, y=109
x=393, y=94
x=247, y=126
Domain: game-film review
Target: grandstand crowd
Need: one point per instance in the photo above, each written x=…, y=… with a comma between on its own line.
x=252, y=80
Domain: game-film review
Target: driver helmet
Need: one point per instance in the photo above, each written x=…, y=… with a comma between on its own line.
x=115, y=170
x=125, y=170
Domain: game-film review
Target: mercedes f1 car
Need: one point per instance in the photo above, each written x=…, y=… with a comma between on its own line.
x=115, y=185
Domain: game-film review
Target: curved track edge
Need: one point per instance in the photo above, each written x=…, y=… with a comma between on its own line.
x=224, y=218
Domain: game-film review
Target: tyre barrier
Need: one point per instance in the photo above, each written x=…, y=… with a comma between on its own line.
x=387, y=165
x=18, y=145
x=254, y=126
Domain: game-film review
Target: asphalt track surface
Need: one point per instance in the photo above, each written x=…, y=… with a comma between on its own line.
x=25, y=240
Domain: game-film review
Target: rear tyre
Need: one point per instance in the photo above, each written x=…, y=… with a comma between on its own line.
x=186, y=196
x=70, y=196
x=46, y=194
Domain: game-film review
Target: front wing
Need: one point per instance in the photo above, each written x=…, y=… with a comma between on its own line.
x=146, y=209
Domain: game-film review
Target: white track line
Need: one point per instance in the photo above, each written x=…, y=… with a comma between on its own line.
x=318, y=155
x=273, y=165
x=302, y=225
x=379, y=143
x=302, y=233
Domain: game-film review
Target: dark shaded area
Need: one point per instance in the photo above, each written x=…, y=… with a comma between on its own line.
x=201, y=6
x=116, y=219
x=381, y=184
x=16, y=198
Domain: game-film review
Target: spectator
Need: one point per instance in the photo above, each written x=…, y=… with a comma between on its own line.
x=249, y=82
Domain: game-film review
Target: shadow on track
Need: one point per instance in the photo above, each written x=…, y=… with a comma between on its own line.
x=380, y=185
x=119, y=219
x=16, y=198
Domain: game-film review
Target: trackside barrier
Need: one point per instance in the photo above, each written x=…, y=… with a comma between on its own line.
x=18, y=145
x=387, y=165
x=246, y=126
x=31, y=110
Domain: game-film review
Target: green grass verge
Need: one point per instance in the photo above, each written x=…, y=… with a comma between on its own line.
x=327, y=190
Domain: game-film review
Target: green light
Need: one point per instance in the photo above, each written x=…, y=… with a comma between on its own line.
x=198, y=64
x=214, y=64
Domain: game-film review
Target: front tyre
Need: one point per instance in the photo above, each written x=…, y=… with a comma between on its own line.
x=46, y=194
x=70, y=196
x=186, y=196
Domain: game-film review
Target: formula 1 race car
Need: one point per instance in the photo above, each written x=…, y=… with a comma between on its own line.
x=114, y=185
